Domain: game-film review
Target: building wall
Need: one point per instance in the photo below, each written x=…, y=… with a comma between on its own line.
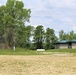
x=73, y=45
x=56, y=46
x=63, y=46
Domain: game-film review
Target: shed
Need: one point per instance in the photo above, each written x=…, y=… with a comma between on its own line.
x=65, y=44
x=61, y=44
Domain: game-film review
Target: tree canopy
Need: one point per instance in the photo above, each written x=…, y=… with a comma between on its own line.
x=50, y=38
x=39, y=36
x=67, y=36
x=12, y=16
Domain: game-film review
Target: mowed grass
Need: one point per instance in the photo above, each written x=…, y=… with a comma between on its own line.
x=63, y=50
x=20, y=51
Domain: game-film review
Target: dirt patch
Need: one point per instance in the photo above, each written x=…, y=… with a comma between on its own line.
x=38, y=65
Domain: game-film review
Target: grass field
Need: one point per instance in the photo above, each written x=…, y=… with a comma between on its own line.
x=28, y=62
x=34, y=52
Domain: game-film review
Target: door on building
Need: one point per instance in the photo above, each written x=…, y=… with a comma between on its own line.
x=69, y=45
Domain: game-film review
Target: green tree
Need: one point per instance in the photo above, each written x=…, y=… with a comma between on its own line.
x=24, y=36
x=67, y=36
x=2, y=27
x=39, y=37
x=62, y=35
x=71, y=35
x=14, y=15
x=29, y=34
x=50, y=38
x=21, y=37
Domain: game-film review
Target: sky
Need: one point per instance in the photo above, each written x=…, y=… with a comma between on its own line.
x=56, y=14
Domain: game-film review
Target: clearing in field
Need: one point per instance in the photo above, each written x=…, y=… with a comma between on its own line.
x=55, y=64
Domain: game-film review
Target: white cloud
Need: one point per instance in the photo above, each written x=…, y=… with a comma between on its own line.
x=63, y=3
x=72, y=24
x=56, y=14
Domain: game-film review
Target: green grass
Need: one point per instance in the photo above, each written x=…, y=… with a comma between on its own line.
x=34, y=52
x=63, y=50
x=19, y=52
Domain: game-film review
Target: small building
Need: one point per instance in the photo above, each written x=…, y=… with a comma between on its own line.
x=65, y=44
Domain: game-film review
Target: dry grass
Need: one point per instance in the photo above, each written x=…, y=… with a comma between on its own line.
x=55, y=64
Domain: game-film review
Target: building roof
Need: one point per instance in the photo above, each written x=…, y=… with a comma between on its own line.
x=65, y=41
x=62, y=41
x=73, y=41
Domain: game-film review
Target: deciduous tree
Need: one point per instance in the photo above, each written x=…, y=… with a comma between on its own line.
x=39, y=36
x=13, y=15
x=50, y=38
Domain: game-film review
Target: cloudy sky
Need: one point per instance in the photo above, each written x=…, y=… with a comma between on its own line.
x=56, y=14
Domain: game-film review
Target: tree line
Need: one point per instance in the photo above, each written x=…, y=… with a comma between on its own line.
x=15, y=33
x=67, y=36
